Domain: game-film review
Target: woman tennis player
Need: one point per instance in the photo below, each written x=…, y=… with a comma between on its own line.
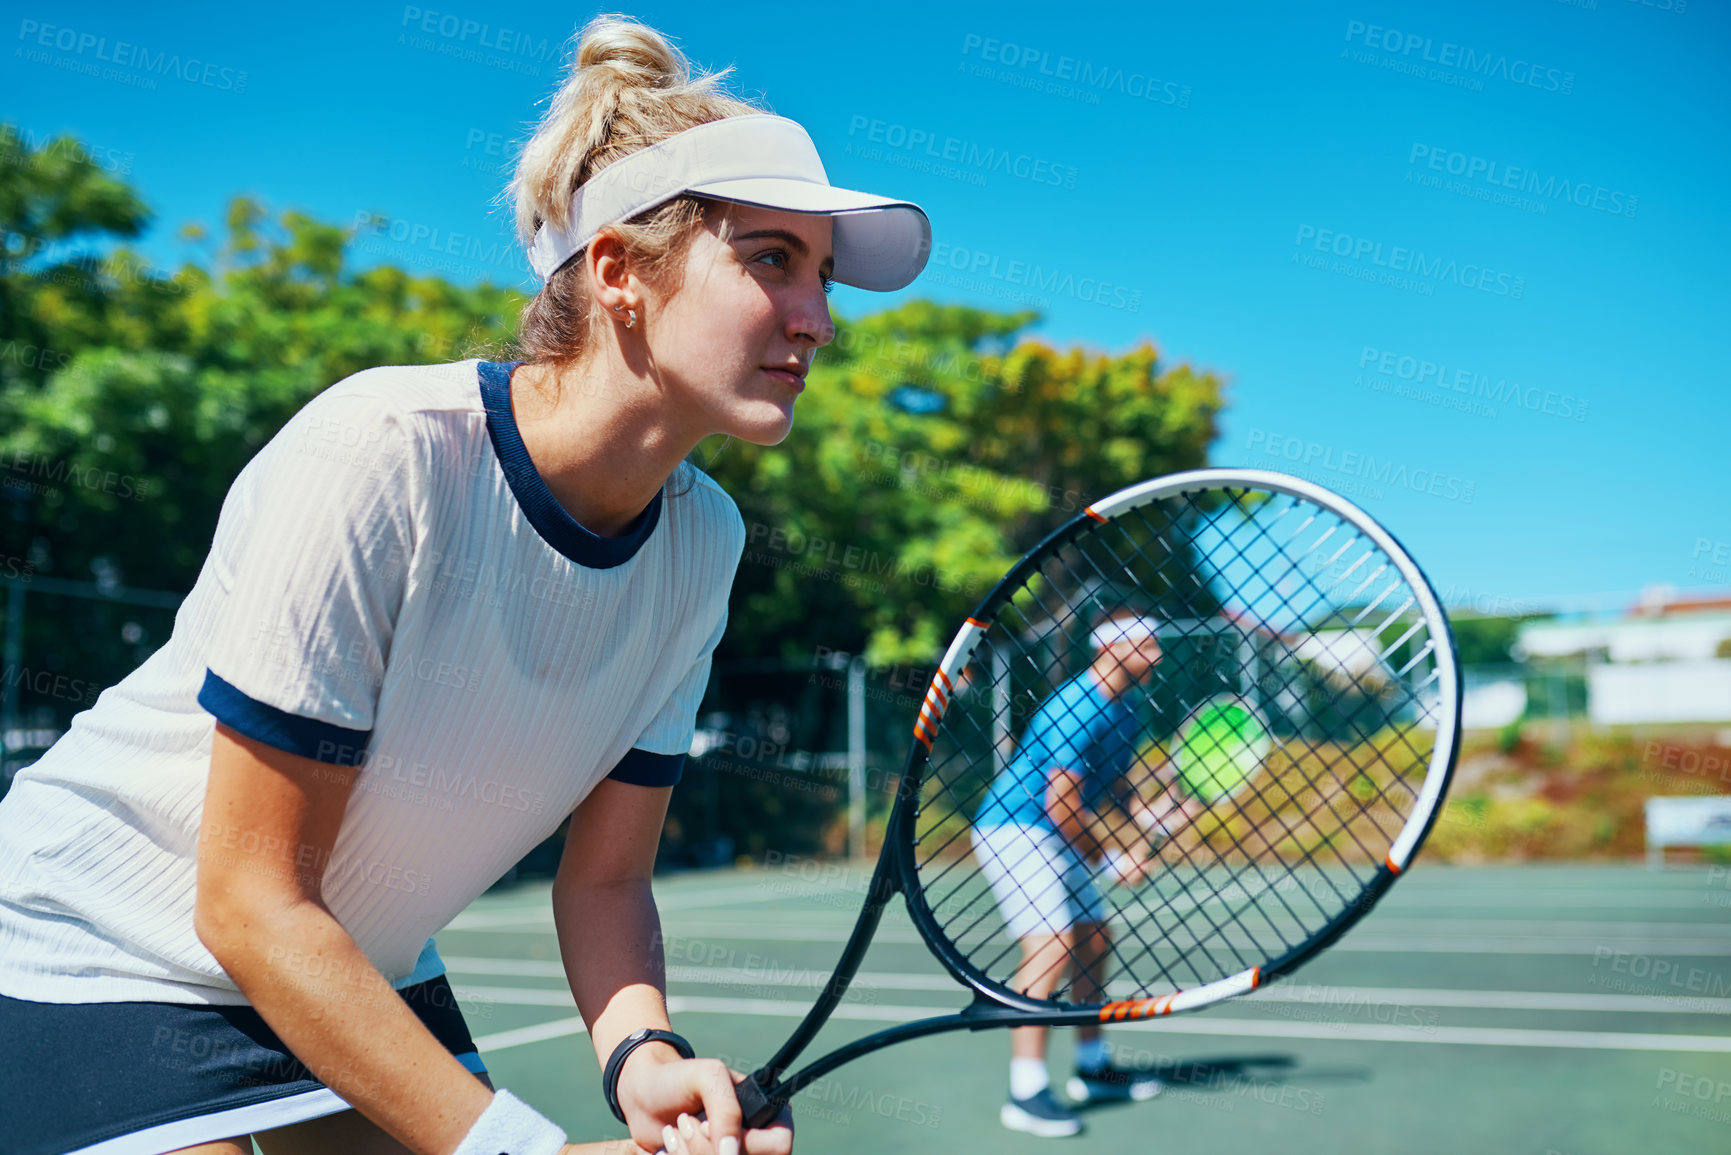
x=445, y=607
x=1034, y=836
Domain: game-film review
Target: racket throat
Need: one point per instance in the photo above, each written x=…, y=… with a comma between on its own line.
x=885, y=884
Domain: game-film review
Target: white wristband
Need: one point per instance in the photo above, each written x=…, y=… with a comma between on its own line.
x=510, y=1126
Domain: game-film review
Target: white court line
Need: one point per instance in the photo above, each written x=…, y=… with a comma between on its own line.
x=517, y=996
x=1326, y=998
x=1186, y=1025
x=526, y=967
x=1517, y=927
x=540, y=1032
x=765, y=892
x=1494, y=1000
x=1364, y=940
x=1465, y=1036
x=679, y=900
x=1678, y=899
x=489, y=919
x=1313, y=993
x=1690, y=937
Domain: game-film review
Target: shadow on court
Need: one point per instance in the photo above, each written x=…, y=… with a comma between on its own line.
x=1238, y=1075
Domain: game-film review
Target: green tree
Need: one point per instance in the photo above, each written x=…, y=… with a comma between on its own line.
x=1485, y=640
x=933, y=446
x=875, y=525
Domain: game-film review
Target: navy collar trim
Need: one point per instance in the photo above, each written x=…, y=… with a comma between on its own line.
x=556, y=527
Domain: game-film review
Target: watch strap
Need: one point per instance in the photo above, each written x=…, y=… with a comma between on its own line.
x=616, y=1061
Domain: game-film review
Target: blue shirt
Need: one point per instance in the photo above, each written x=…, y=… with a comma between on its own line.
x=1078, y=728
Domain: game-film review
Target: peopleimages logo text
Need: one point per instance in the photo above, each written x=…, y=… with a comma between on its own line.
x=1364, y=466
x=954, y=150
x=1447, y=54
x=1057, y=282
x=1501, y=391
x=123, y=54
x=1073, y=70
x=1414, y=261
x=1479, y=169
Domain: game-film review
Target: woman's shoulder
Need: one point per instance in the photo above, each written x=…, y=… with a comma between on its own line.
x=385, y=412
x=407, y=389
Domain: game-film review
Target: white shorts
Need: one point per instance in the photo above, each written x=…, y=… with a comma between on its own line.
x=1042, y=885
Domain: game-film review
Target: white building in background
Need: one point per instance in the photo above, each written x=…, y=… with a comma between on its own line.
x=1492, y=704
x=1666, y=660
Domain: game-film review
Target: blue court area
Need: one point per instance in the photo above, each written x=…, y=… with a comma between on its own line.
x=1544, y=1010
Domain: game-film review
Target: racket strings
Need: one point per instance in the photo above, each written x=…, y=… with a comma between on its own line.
x=1306, y=618
x=1244, y=636
x=1148, y=948
x=1322, y=597
x=1318, y=596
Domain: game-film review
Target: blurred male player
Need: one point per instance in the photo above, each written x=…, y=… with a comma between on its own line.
x=1042, y=822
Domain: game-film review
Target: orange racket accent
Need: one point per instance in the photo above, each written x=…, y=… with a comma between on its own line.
x=1255, y=977
x=921, y=734
x=1090, y=512
x=1137, y=1008
x=979, y=623
x=931, y=709
x=1388, y=861
x=948, y=685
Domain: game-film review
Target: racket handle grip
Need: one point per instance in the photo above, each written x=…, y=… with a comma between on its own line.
x=754, y=1103
x=758, y=1109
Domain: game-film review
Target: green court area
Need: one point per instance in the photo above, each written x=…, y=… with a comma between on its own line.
x=1569, y=1010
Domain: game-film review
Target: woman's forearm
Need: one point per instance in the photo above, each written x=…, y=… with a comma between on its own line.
x=619, y=977
x=303, y=972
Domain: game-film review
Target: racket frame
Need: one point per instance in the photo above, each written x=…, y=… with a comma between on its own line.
x=764, y=1092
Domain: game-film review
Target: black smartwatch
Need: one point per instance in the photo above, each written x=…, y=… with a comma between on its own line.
x=610, y=1074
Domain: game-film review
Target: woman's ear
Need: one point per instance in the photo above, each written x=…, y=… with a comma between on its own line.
x=616, y=287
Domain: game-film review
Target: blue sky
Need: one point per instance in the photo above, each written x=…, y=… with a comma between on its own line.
x=1457, y=261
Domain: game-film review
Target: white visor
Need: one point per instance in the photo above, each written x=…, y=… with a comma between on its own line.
x=1125, y=629
x=767, y=161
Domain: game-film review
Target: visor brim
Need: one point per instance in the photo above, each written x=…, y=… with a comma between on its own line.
x=881, y=244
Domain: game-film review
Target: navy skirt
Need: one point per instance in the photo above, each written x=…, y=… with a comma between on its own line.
x=144, y=1078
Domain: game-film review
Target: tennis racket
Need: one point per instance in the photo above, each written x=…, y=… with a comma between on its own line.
x=1307, y=694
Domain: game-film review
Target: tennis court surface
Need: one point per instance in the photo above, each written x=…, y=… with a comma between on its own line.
x=1571, y=1010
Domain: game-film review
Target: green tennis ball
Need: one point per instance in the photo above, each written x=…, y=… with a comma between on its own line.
x=1219, y=748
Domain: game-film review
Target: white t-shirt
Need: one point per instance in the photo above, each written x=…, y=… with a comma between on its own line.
x=391, y=585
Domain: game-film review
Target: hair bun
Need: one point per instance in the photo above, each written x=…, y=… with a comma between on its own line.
x=627, y=89
x=635, y=50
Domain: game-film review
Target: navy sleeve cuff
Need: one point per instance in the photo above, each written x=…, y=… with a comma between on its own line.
x=307, y=737
x=643, y=768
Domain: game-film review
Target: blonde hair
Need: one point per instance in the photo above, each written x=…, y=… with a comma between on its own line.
x=628, y=88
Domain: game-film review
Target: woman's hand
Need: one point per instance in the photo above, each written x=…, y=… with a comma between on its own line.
x=661, y=1097
x=775, y=1139
x=771, y=1140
